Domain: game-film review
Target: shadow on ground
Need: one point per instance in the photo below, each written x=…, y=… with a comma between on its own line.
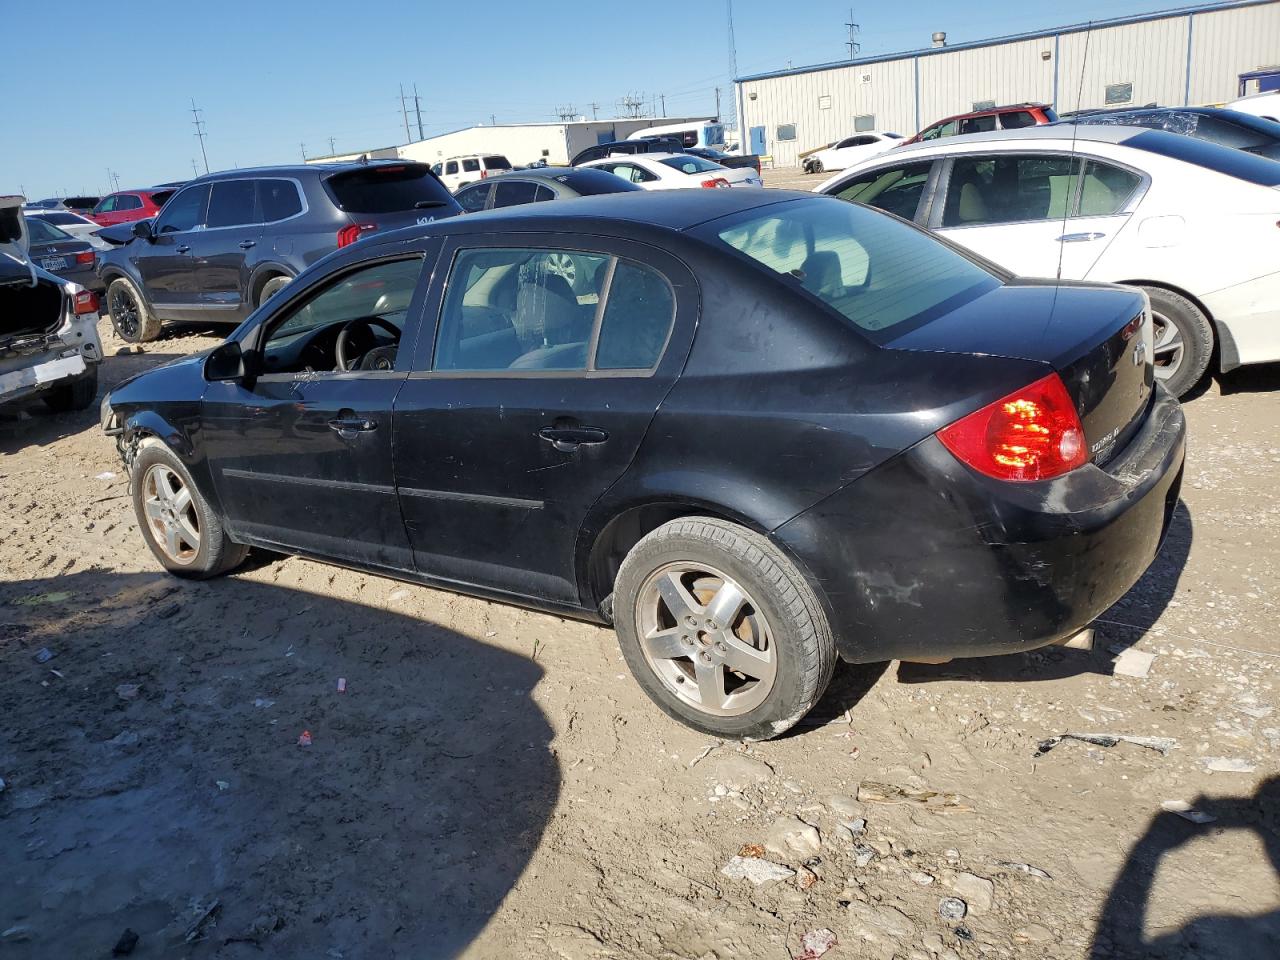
x=396, y=833
x=1122, y=933
x=1123, y=625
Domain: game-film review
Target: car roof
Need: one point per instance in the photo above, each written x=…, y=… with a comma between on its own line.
x=990, y=110
x=1063, y=130
x=559, y=174
x=294, y=169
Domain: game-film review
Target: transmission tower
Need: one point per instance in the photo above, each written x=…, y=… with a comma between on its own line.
x=632, y=105
x=566, y=113
x=854, y=29
x=200, y=134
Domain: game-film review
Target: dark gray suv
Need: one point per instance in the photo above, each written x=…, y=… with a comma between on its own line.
x=227, y=241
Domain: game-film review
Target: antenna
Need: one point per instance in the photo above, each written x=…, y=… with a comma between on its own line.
x=854, y=29
x=1075, y=129
x=200, y=134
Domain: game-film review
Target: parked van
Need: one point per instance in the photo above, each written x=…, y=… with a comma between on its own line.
x=699, y=133
x=457, y=172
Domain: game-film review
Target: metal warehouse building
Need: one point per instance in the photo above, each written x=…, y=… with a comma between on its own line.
x=1193, y=55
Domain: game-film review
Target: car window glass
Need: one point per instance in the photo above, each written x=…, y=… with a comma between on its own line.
x=127, y=201
x=847, y=142
x=381, y=290
x=897, y=190
x=497, y=162
x=62, y=219
x=41, y=232
x=978, y=124
x=1017, y=120
x=278, y=199
x=543, y=193
x=1008, y=189
x=510, y=193
x=451, y=166
x=691, y=164
x=106, y=206
x=472, y=199
x=231, y=204
x=470, y=166
x=876, y=271
x=523, y=310
x=637, y=319
x=1104, y=189
x=185, y=210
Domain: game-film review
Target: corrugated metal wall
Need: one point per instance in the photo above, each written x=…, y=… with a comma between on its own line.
x=1075, y=74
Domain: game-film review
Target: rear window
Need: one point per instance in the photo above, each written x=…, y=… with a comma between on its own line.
x=1210, y=156
x=41, y=232
x=878, y=272
x=691, y=164
x=387, y=189
x=160, y=196
x=497, y=162
x=61, y=219
x=588, y=183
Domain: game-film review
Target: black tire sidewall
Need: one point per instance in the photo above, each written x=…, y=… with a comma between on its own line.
x=208, y=561
x=786, y=702
x=1197, y=336
x=148, y=328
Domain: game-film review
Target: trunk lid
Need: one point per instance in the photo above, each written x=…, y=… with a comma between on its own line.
x=1097, y=338
x=386, y=196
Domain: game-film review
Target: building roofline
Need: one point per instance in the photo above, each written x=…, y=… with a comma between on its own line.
x=1011, y=38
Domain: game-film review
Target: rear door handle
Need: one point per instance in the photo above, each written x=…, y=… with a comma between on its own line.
x=568, y=439
x=246, y=244
x=1080, y=237
x=348, y=425
x=183, y=249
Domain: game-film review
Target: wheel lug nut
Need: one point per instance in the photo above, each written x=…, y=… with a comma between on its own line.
x=705, y=657
x=712, y=625
x=691, y=622
x=721, y=648
x=687, y=640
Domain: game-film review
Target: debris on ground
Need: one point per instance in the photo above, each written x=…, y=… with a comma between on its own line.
x=872, y=792
x=1161, y=745
x=124, y=946
x=342, y=684
x=805, y=878
x=1026, y=868
x=2, y=784
x=756, y=870
x=1130, y=662
x=862, y=855
x=1228, y=765
x=952, y=908
x=222, y=784
x=706, y=751
x=1186, y=811
x=17, y=934
x=44, y=655
x=104, y=475
x=128, y=691
x=37, y=599
x=816, y=943
x=304, y=739
x=791, y=835
x=195, y=932
x=262, y=703
x=978, y=893
x=751, y=850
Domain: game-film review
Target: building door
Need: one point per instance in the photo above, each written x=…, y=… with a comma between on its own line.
x=757, y=140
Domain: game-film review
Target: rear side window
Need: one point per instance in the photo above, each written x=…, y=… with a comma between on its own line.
x=1008, y=189
x=511, y=193
x=387, y=189
x=1104, y=189
x=590, y=182
x=278, y=199
x=879, y=273
x=160, y=197
x=897, y=189
x=127, y=201
x=451, y=166
x=231, y=204
x=472, y=199
x=637, y=319
x=470, y=166
x=978, y=124
x=1017, y=120
x=496, y=162
x=1210, y=156
x=543, y=193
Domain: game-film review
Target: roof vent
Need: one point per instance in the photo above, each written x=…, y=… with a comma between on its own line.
x=940, y=39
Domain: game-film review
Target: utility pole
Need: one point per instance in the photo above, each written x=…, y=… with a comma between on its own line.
x=405, y=113
x=493, y=120
x=595, y=110
x=332, y=149
x=200, y=134
x=733, y=78
x=195, y=171
x=663, y=98
x=417, y=108
x=854, y=29
x=303, y=148
x=717, y=104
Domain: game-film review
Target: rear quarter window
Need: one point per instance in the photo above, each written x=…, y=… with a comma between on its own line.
x=497, y=162
x=470, y=166
x=386, y=189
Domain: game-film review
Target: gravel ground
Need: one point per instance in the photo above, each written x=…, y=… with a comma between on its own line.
x=492, y=784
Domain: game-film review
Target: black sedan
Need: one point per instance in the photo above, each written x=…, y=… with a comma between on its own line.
x=775, y=429
x=538, y=184
x=60, y=253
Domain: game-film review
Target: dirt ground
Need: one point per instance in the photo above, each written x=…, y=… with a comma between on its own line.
x=493, y=784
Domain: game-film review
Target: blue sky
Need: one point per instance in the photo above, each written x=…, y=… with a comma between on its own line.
x=270, y=76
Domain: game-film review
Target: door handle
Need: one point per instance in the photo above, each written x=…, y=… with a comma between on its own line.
x=246, y=244
x=1080, y=237
x=347, y=425
x=568, y=439
x=183, y=249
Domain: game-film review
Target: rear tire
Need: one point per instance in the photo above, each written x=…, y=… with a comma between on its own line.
x=130, y=316
x=274, y=285
x=818, y=167
x=177, y=522
x=79, y=394
x=1183, y=340
x=752, y=673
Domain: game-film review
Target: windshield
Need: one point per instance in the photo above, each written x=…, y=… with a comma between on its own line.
x=878, y=272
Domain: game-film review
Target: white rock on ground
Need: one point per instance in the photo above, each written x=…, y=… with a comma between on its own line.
x=756, y=870
x=1132, y=663
x=978, y=892
x=739, y=772
x=791, y=835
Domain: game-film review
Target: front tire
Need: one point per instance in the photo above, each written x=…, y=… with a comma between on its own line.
x=721, y=630
x=130, y=316
x=177, y=522
x=79, y=394
x=1183, y=340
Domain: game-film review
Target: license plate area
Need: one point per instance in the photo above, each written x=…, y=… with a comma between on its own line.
x=54, y=263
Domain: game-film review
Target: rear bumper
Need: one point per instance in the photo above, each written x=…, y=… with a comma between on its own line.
x=923, y=557
x=1248, y=319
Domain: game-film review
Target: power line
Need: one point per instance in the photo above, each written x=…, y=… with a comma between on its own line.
x=200, y=134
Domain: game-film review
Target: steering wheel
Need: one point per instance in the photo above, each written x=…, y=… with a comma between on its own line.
x=348, y=362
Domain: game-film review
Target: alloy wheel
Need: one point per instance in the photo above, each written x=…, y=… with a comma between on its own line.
x=1169, y=348
x=562, y=265
x=271, y=288
x=171, y=514
x=123, y=309
x=706, y=639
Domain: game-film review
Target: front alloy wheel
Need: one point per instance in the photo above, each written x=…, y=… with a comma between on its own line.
x=171, y=514
x=1168, y=348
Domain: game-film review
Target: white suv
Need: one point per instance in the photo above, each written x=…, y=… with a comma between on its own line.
x=457, y=172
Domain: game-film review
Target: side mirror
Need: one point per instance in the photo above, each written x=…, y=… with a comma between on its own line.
x=142, y=230
x=226, y=362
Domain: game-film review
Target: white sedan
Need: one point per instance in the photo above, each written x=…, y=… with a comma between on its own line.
x=82, y=228
x=1265, y=105
x=675, y=171
x=1192, y=223
x=845, y=153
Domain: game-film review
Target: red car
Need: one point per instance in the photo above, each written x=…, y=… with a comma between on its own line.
x=124, y=206
x=980, y=121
